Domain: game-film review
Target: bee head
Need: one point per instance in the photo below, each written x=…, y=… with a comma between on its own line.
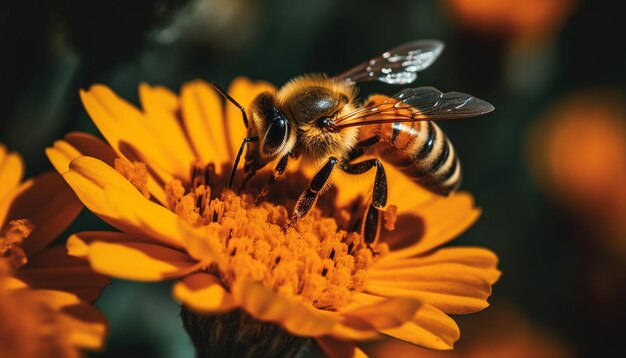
x=276, y=133
x=312, y=104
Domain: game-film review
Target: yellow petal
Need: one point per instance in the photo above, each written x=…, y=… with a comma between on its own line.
x=385, y=313
x=337, y=348
x=81, y=281
x=471, y=256
x=78, y=144
x=203, y=120
x=83, y=330
x=144, y=216
x=7, y=203
x=266, y=305
x=78, y=244
x=162, y=111
x=61, y=154
x=126, y=129
x=85, y=326
x=443, y=273
x=82, y=324
x=12, y=283
x=139, y=261
x=454, y=298
x=455, y=280
x=202, y=245
x=54, y=269
x=433, y=225
x=48, y=203
x=429, y=328
x=123, y=206
x=11, y=171
x=243, y=91
x=88, y=176
x=203, y=293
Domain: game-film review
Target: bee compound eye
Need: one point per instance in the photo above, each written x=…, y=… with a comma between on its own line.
x=276, y=133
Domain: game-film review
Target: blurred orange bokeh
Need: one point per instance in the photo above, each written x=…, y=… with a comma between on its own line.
x=578, y=156
x=500, y=331
x=514, y=19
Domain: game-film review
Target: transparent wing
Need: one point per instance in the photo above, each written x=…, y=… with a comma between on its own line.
x=416, y=104
x=397, y=66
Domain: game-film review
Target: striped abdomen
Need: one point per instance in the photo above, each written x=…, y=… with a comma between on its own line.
x=421, y=150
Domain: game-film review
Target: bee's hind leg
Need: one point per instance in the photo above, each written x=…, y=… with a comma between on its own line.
x=307, y=199
x=370, y=227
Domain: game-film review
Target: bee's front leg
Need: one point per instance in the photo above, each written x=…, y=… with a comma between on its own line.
x=281, y=167
x=245, y=142
x=278, y=174
x=307, y=199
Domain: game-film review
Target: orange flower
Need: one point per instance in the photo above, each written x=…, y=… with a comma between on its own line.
x=41, y=287
x=316, y=280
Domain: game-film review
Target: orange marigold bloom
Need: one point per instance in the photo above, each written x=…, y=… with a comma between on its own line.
x=42, y=288
x=161, y=182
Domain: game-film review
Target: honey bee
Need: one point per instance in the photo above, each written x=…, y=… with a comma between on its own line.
x=317, y=118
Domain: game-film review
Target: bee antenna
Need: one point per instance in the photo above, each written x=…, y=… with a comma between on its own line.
x=245, y=141
x=224, y=94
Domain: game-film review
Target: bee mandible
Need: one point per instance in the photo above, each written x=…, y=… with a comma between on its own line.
x=317, y=118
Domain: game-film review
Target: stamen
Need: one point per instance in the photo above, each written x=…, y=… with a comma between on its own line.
x=391, y=215
x=174, y=191
x=313, y=261
x=208, y=171
x=199, y=203
x=136, y=173
x=11, y=238
x=201, y=174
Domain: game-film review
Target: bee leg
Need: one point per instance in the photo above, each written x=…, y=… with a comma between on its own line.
x=281, y=167
x=279, y=170
x=369, y=141
x=370, y=227
x=231, y=100
x=358, y=151
x=251, y=168
x=245, y=141
x=307, y=199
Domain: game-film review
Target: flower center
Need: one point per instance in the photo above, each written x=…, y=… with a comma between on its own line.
x=313, y=261
x=11, y=238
